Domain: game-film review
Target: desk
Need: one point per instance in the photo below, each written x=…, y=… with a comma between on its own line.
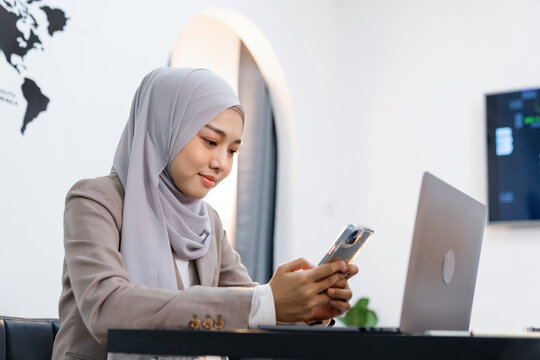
x=319, y=345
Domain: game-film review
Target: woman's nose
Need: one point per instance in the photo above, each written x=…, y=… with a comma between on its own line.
x=219, y=160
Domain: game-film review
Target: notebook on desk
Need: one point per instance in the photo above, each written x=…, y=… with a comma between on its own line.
x=443, y=263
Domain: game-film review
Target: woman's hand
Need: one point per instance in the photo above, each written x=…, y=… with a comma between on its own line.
x=297, y=294
x=339, y=294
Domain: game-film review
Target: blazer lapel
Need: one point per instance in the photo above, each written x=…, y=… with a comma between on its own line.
x=206, y=265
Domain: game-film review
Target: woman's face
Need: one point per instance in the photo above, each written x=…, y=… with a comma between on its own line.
x=208, y=157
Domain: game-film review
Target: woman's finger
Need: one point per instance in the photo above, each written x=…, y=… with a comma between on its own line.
x=339, y=307
x=351, y=270
x=325, y=270
x=329, y=281
x=341, y=284
x=339, y=294
x=320, y=299
x=295, y=265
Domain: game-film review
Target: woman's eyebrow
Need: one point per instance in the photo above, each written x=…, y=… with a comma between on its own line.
x=221, y=132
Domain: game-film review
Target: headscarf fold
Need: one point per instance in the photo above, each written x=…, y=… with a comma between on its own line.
x=169, y=108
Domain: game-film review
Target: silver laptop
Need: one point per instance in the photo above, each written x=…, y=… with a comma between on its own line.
x=444, y=259
x=442, y=265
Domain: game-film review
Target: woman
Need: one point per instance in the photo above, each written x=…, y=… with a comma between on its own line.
x=142, y=250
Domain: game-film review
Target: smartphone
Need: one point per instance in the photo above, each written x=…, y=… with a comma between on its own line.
x=348, y=244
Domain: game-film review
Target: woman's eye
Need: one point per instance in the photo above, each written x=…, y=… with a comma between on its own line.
x=210, y=142
x=233, y=151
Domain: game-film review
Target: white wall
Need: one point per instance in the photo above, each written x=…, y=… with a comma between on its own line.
x=381, y=91
x=412, y=92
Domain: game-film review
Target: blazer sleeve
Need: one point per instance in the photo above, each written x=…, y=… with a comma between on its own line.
x=100, y=283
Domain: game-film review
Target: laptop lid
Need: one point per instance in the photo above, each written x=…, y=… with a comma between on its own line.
x=444, y=259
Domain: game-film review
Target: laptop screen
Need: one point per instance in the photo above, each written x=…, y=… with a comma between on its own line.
x=444, y=259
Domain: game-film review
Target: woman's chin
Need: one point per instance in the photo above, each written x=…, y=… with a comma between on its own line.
x=199, y=194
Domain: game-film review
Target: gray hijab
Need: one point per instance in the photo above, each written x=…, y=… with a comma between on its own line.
x=169, y=108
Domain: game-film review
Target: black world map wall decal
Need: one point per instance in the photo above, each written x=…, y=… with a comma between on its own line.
x=20, y=32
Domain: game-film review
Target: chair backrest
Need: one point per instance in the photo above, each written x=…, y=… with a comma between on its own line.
x=27, y=338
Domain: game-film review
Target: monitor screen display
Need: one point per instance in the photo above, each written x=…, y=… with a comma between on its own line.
x=513, y=126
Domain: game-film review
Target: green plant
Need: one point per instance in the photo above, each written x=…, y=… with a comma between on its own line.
x=360, y=315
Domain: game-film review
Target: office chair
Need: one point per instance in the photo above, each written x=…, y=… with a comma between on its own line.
x=22, y=339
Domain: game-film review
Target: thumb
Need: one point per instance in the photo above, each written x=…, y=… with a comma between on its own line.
x=295, y=265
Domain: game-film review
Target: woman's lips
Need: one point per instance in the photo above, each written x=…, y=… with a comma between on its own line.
x=208, y=180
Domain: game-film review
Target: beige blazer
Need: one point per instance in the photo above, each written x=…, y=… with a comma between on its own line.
x=96, y=292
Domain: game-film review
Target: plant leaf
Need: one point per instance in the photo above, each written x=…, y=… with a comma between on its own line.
x=360, y=315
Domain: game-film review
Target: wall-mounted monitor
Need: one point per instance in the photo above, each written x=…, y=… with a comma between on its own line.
x=513, y=147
